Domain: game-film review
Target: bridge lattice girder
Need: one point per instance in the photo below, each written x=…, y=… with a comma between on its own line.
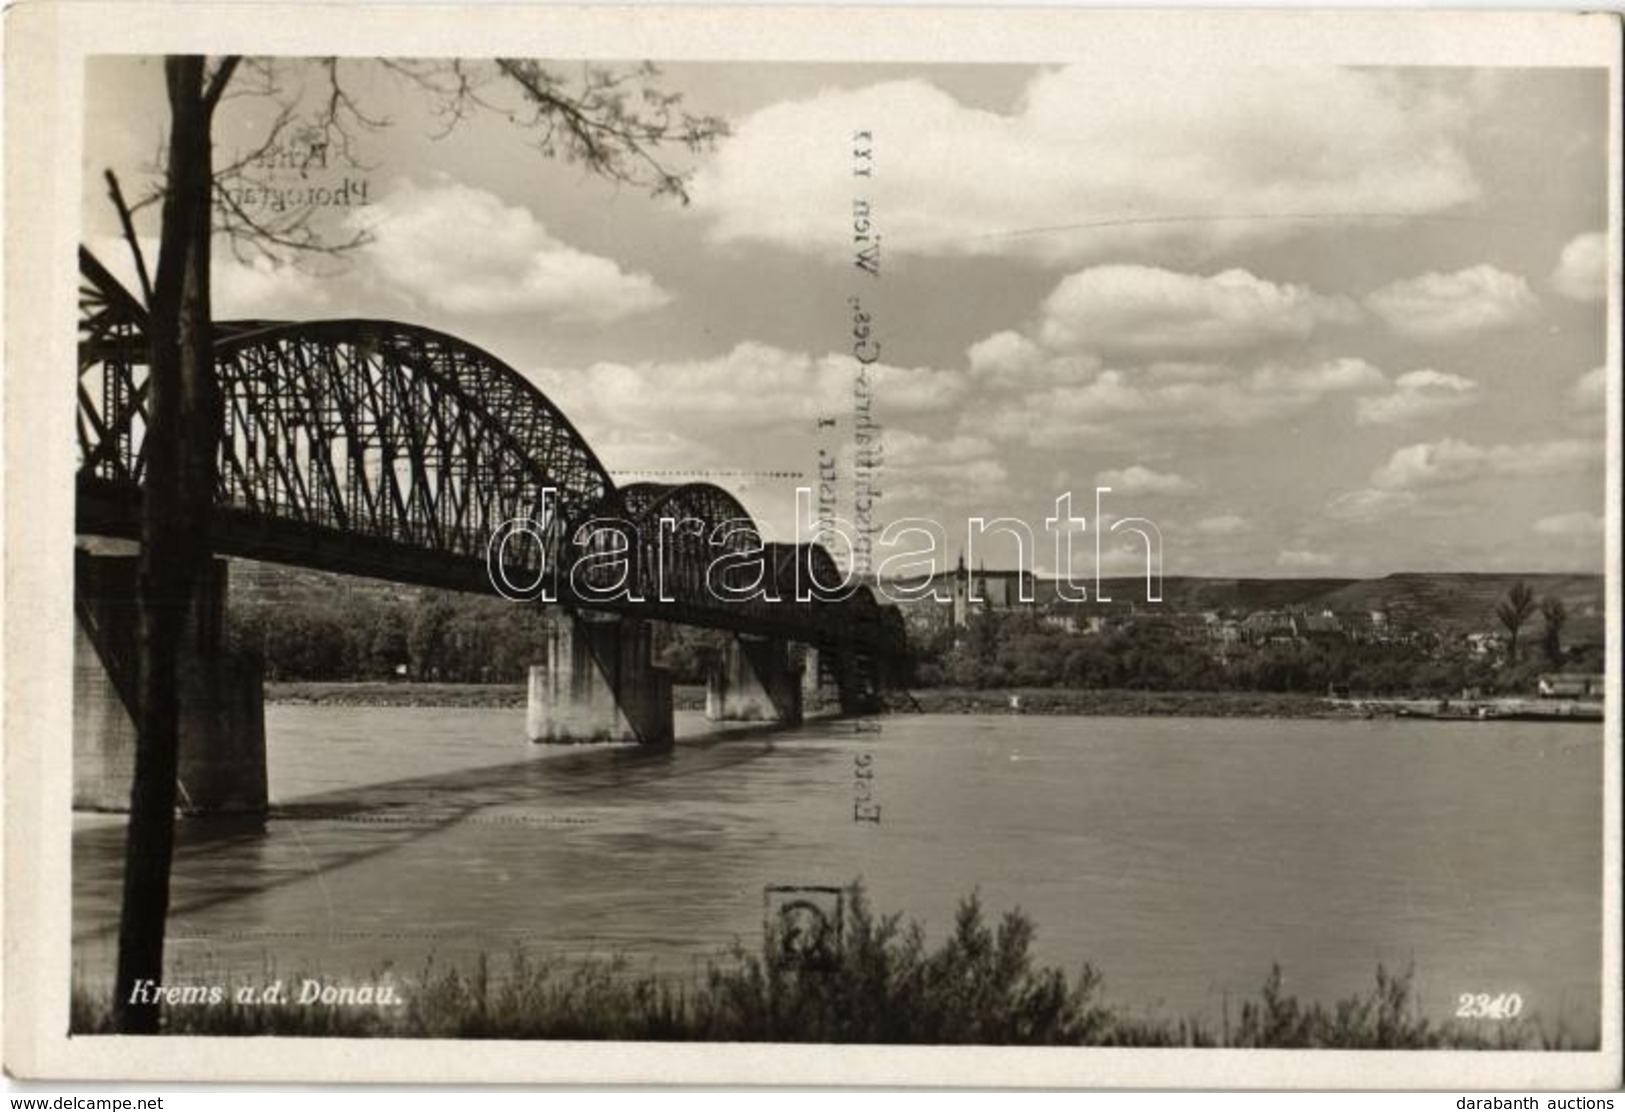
x=395, y=451
x=696, y=540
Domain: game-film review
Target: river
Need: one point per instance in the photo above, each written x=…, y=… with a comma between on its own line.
x=1181, y=857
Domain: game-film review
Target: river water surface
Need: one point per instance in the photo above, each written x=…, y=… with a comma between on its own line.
x=1181, y=857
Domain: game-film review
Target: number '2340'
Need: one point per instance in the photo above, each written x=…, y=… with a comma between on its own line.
x=1481, y=1005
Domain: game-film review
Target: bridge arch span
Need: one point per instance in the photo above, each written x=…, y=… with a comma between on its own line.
x=394, y=437
x=394, y=451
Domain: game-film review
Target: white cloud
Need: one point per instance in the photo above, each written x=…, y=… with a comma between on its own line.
x=256, y=288
x=1370, y=505
x=263, y=289
x=1588, y=401
x=1122, y=406
x=936, y=470
x=1142, y=480
x=1578, y=524
x=1442, y=307
x=906, y=448
x=1454, y=461
x=751, y=386
x=1590, y=389
x=1185, y=372
x=1142, y=310
x=1302, y=559
x=1222, y=525
x=465, y=250
x=1169, y=164
x=1004, y=355
x=652, y=453
x=1417, y=395
x=1582, y=268
x=1011, y=358
x=1331, y=377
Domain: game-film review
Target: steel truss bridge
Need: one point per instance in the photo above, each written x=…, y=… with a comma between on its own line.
x=387, y=450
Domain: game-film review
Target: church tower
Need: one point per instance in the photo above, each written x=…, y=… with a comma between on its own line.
x=961, y=593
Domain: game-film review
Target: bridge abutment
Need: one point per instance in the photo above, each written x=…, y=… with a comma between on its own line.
x=812, y=679
x=754, y=680
x=222, y=713
x=857, y=683
x=599, y=684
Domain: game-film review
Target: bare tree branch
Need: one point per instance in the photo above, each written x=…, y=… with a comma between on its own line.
x=219, y=80
x=130, y=237
x=616, y=122
x=613, y=123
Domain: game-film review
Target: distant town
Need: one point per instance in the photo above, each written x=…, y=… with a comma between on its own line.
x=1422, y=635
x=1453, y=635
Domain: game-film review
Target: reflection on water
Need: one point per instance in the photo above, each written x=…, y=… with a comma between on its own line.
x=1180, y=856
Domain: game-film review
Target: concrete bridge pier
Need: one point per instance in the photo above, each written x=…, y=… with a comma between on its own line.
x=599, y=684
x=857, y=683
x=812, y=679
x=222, y=725
x=754, y=680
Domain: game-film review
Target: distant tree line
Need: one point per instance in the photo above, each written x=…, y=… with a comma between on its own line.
x=1016, y=649
x=441, y=636
x=1514, y=612
x=464, y=638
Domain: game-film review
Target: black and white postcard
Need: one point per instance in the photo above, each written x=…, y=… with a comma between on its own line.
x=812, y=546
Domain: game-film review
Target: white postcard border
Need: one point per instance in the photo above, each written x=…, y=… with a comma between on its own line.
x=46, y=46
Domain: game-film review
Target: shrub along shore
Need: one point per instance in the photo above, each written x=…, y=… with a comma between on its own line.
x=882, y=984
x=942, y=700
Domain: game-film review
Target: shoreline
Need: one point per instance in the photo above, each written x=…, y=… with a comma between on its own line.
x=945, y=700
x=871, y=983
x=1080, y=702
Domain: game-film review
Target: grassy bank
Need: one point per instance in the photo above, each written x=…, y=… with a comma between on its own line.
x=391, y=694
x=881, y=984
x=942, y=700
x=1124, y=703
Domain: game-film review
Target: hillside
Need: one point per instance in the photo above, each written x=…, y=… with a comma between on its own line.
x=276, y=584
x=1466, y=601
x=1452, y=602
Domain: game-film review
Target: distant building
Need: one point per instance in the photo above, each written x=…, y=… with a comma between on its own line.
x=1571, y=685
x=1324, y=626
x=1065, y=622
x=1190, y=628
x=951, y=597
x=1269, y=626
x=988, y=590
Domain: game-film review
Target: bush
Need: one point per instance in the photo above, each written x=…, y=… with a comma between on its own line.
x=1388, y=1019
x=882, y=984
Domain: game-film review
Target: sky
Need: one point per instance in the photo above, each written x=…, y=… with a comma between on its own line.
x=1310, y=321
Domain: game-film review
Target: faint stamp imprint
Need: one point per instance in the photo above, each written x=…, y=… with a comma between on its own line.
x=804, y=924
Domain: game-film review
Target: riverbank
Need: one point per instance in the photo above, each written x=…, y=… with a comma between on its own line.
x=877, y=986
x=1119, y=703
x=1104, y=702
x=412, y=694
x=946, y=700
x=394, y=694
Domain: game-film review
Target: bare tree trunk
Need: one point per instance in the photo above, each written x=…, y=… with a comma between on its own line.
x=181, y=443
